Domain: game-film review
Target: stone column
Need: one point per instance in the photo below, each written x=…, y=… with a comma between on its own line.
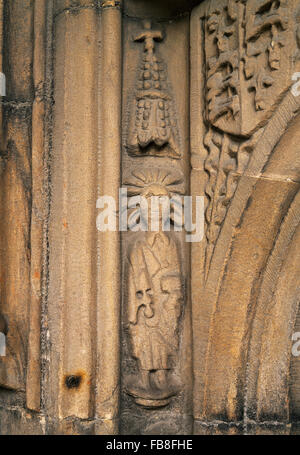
x=72, y=225
x=84, y=270
x=109, y=269
x=39, y=202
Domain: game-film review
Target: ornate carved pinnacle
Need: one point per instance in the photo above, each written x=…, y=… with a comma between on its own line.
x=149, y=36
x=155, y=128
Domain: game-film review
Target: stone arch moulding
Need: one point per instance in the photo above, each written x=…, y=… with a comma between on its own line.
x=250, y=180
x=270, y=352
x=246, y=246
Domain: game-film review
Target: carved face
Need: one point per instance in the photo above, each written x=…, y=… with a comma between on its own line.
x=155, y=210
x=157, y=183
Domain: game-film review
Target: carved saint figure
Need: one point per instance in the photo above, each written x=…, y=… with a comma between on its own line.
x=154, y=309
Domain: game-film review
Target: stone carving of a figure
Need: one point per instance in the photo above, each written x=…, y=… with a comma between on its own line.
x=154, y=309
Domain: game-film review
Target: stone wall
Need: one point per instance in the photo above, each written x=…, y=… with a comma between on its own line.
x=124, y=332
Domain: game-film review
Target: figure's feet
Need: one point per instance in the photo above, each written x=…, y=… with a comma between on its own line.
x=139, y=385
x=160, y=379
x=152, y=390
x=145, y=380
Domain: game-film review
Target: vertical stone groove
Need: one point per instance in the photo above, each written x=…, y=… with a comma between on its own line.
x=108, y=301
x=38, y=207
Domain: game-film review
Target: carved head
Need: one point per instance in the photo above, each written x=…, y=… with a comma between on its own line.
x=158, y=188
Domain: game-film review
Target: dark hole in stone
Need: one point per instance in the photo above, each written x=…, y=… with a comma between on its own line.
x=73, y=382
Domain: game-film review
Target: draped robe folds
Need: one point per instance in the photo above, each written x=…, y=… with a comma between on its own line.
x=154, y=306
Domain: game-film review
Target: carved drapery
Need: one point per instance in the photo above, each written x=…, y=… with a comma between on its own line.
x=155, y=298
x=16, y=188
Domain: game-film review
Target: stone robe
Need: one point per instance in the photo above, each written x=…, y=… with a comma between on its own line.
x=154, y=303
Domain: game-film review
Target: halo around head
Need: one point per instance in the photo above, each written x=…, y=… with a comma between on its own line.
x=154, y=182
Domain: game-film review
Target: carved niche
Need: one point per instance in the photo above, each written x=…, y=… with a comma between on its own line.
x=156, y=358
x=248, y=68
x=153, y=128
x=155, y=294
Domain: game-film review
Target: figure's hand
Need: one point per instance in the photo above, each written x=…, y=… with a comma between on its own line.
x=145, y=300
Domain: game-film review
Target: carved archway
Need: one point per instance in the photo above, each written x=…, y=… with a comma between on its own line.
x=248, y=171
x=270, y=355
x=246, y=244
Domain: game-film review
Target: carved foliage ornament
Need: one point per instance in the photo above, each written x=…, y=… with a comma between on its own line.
x=248, y=71
x=153, y=127
x=223, y=90
x=265, y=37
x=248, y=68
x=226, y=161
